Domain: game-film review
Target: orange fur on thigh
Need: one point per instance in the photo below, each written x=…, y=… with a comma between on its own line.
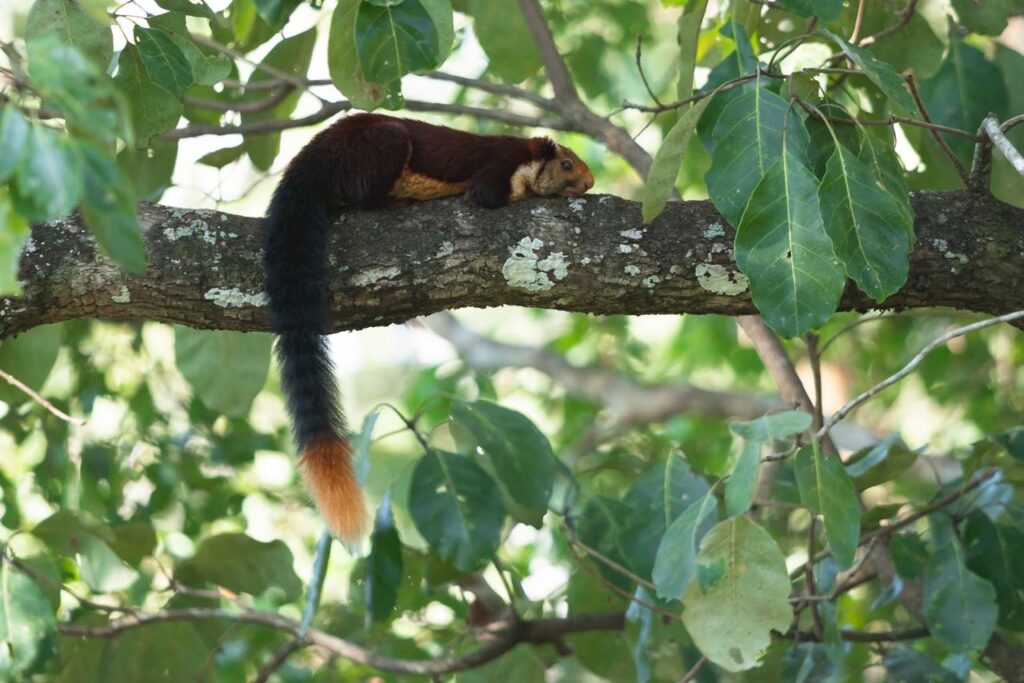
x=418, y=186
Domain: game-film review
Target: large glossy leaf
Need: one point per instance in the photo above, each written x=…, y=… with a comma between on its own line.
x=661, y=178
x=880, y=463
x=503, y=34
x=881, y=74
x=689, y=23
x=245, y=565
x=739, y=62
x=879, y=153
x=14, y=140
x=773, y=426
x=13, y=237
x=67, y=20
x=26, y=622
x=50, y=175
x=754, y=124
x=795, y=278
x=204, y=357
x=343, y=60
x=959, y=606
x=676, y=561
x=740, y=596
x=153, y=109
x=206, y=69
x=457, y=508
x=995, y=552
x=827, y=490
x=384, y=571
x=653, y=503
x=164, y=61
x=519, y=455
x=394, y=40
x=108, y=207
x=87, y=542
x=870, y=230
x=988, y=17
x=28, y=357
x=965, y=89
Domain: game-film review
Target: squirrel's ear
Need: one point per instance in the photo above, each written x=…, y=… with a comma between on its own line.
x=543, y=148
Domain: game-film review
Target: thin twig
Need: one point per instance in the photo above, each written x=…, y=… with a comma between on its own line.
x=694, y=670
x=867, y=636
x=905, y=16
x=640, y=68
x=995, y=133
x=957, y=164
x=857, y=23
x=911, y=366
x=809, y=580
x=571, y=536
x=814, y=358
x=242, y=107
x=1011, y=122
x=38, y=398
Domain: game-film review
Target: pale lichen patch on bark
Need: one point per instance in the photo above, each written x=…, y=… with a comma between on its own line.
x=524, y=269
x=233, y=297
x=721, y=280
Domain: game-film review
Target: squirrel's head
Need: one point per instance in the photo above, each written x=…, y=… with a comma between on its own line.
x=561, y=172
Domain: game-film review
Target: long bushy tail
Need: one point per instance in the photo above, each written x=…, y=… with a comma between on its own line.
x=297, y=277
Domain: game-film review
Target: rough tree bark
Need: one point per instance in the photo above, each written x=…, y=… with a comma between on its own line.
x=590, y=254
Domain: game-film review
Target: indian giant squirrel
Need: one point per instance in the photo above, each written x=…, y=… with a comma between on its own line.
x=367, y=161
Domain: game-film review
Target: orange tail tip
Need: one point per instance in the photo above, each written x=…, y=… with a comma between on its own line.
x=327, y=466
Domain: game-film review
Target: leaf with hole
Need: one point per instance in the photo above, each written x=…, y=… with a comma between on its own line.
x=744, y=597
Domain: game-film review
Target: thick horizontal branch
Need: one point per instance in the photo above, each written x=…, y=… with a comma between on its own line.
x=590, y=254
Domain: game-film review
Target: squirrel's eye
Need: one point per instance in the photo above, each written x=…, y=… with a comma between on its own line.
x=566, y=165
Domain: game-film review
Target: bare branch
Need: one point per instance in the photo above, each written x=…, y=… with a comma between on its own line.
x=38, y=398
x=911, y=366
x=999, y=140
x=507, y=635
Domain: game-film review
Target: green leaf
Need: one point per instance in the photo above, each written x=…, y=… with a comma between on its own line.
x=26, y=622
x=879, y=154
x=14, y=233
x=153, y=109
x=781, y=246
x=755, y=124
x=457, y=508
x=826, y=10
x=688, y=24
x=66, y=20
x=343, y=60
x=276, y=12
x=245, y=565
x=773, y=426
x=731, y=617
x=14, y=140
x=959, y=606
x=521, y=665
x=652, y=503
x=164, y=62
x=29, y=358
x=909, y=555
x=101, y=569
x=827, y=490
x=742, y=483
x=169, y=652
x=520, y=455
x=50, y=176
x=222, y=157
x=384, y=571
x=739, y=62
x=108, y=207
x=505, y=38
x=134, y=540
x=676, y=561
x=904, y=665
x=988, y=17
x=665, y=168
x=149, y=168
x=868, y=227
x=879, y=463
x=202, y=356
x=601, y=652
x=915, y=46
x=965, y=89
x=881, y=74
x=207, y=69
x=995, y=552
x=394, y=41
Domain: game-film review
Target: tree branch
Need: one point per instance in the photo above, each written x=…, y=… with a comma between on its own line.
x=506, y=635
x=589, y=254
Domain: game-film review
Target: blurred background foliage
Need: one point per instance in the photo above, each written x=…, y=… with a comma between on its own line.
x=174, y=484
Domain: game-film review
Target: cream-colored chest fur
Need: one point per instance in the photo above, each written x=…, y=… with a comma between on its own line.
x=522, y=181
